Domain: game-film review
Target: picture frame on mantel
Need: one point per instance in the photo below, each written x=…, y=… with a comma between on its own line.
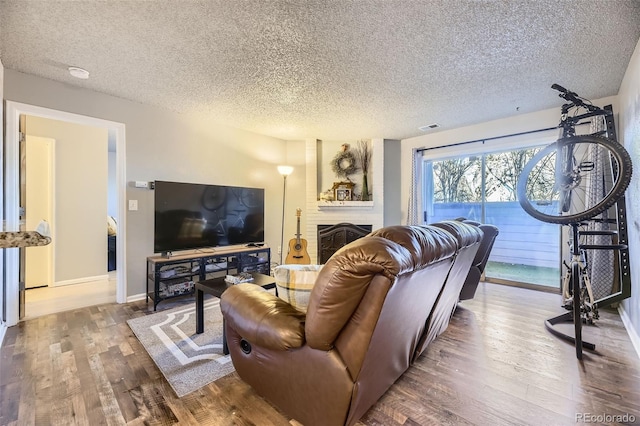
x=343, y=191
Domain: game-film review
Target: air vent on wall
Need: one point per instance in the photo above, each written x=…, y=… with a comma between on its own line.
x=429, y=127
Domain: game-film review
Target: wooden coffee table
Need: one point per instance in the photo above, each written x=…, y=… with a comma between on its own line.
x=217, y=286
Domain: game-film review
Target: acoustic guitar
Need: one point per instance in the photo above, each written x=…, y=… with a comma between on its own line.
x=298, y=247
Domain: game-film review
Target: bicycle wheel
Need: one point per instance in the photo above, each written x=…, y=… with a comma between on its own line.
x=574, y=179
x=213, y=197
x=252, y=198
x=577, y=306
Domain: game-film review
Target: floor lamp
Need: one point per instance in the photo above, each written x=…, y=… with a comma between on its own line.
x=284, y=171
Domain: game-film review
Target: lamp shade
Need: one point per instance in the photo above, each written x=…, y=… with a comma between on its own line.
x=285, y=170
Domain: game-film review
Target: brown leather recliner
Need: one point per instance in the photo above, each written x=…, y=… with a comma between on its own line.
x=367, y=315
x=490, y=233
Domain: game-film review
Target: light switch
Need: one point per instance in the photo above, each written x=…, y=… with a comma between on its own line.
x=133, y=205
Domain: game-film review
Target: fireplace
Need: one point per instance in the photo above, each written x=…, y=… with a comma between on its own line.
x=333, y=237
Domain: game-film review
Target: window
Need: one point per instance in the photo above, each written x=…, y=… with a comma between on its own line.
x=483, y=188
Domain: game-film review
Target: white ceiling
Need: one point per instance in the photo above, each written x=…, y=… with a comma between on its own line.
x=330, y=69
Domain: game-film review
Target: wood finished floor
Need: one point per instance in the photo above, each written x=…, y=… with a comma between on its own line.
x=495, y=365
x=49, y=300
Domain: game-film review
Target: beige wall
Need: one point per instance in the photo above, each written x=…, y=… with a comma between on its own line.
x=295, y=194
x=38, y=207
x=392, y=183
x=629, y=135
x=2, y=285
x=162, y=145
x=80, y=197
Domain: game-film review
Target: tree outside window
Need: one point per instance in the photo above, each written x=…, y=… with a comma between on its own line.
x=456, y=180
x=460, y=179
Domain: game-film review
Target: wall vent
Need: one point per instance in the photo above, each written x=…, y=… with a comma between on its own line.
x=429, y=127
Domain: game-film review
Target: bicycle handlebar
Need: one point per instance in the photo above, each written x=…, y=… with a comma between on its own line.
x=558, y=88
x=573, y=97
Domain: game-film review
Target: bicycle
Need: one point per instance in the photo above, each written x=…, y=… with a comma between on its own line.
x=588, y=307
x=556, y=187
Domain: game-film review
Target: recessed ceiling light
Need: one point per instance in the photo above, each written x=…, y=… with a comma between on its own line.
x=429, y=127
x=79, y=73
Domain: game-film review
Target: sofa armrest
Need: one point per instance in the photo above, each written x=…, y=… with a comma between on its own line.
x=262, y=318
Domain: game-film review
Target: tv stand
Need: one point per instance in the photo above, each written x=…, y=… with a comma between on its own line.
x=173, y=275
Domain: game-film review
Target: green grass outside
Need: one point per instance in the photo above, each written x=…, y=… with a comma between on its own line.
x=538, y=275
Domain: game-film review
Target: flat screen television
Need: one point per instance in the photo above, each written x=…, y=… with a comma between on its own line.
x=193, y=215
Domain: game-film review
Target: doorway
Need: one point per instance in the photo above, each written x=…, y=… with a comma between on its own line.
x=13, y=112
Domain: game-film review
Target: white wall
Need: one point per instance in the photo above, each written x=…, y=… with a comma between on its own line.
x=629, y=135
x=80, y=197
x=162, y=145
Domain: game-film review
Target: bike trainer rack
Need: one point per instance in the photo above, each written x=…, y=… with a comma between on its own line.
x=621, y=263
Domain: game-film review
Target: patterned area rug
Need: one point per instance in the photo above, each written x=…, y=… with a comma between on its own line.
x=187, y=360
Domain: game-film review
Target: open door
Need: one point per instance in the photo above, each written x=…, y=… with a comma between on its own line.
x=36, y=205
x=39, y=198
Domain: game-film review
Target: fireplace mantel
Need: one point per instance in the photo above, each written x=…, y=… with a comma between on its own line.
x=345, y=204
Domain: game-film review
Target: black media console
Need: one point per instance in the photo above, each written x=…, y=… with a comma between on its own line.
x=175, y=276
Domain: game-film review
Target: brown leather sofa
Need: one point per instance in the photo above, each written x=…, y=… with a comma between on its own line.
x=469, y=241
x=490, y=233
x=368, y=318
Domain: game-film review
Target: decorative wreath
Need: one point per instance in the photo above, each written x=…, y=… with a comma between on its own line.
x=344, y=164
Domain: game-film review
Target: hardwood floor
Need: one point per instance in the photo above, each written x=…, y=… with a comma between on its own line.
x=496, y=364
x=50, y=300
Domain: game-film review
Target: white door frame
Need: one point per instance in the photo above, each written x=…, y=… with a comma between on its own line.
x=12, y=193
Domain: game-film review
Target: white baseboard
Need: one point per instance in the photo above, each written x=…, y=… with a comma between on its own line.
x=136, y=297
x=633, y=333
x=3, y=331
x=81, y=280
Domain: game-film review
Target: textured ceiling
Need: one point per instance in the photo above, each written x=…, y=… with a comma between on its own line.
x=331, y=69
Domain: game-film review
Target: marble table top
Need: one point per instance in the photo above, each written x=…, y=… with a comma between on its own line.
x=23, y=239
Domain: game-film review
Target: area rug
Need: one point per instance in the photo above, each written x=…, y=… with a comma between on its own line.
x=188, y=360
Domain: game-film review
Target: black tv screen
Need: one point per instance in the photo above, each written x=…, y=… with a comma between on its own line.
x=192, y=215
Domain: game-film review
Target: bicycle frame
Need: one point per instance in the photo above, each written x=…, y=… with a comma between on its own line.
x=588, y=306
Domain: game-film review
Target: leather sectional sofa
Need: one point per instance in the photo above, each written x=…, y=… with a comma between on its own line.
x=375, y=307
